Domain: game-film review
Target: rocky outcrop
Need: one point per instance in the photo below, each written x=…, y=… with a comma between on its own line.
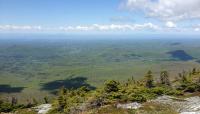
x=43, y=109
x=189, y=105
x=133, y=105
x=183, y=106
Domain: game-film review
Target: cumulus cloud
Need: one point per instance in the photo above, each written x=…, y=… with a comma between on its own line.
x=170, y=24
x=168, y=10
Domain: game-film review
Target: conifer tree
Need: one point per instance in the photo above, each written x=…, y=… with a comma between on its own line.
x=194, y=71
x=149, y=80
x=111, y=86
x=61, y=103
x=46, y=100
x=183, y=77
x=164, y=78
x=13, y=101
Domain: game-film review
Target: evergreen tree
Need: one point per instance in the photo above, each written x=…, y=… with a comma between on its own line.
x=194, y=71
x=183, y=77
x=149, y=80
x=13, y=101
x=164, y=78
x=46, y=100
x=61, y=103
x=111, y=86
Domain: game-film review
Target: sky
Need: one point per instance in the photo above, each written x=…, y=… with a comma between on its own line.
x=100, y=16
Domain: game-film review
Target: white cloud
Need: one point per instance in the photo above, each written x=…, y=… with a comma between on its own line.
x=82, y=28
x=112, y=27
x=17, y=27
x=169, y=27
x=170, y=24
x=197, y=29
x=169, y=10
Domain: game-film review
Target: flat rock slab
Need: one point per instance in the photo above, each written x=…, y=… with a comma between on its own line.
x=189, y=105
x=43, y=109
x=133, y=105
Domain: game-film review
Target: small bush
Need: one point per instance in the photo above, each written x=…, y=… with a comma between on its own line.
x=191, y=88
x=111, y=86
x=159, y=90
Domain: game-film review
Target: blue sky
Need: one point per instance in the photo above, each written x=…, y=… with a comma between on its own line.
x=57, y=12
x=100, y=16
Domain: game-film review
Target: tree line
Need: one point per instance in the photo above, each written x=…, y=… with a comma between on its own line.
x=112, y=92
